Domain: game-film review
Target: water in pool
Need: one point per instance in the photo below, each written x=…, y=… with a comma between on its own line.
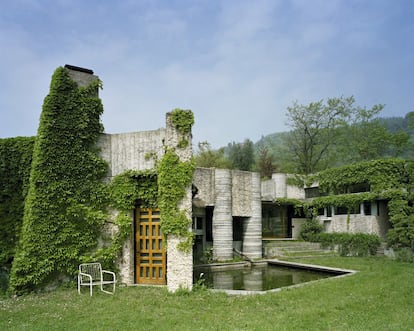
x=256, y=278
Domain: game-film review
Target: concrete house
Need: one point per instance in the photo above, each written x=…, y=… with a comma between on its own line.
x=232, y=210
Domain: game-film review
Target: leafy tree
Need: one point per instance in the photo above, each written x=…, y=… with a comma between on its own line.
x=313, y=131
x=410, y=118
x=209, y=158
x=241, y=155
x=364, y=138
x=264, y=163
x=401, y=144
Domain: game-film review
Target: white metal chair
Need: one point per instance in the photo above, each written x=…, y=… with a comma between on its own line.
x=91, y=274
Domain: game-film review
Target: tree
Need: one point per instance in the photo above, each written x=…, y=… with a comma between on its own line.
x=264, y=163
x=313, y=131
x=241, y=155
x=209, y=158
x=365, y=137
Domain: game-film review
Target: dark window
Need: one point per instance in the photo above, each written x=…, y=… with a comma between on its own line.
x=274, y=221
x=209, y=223
x=199, y=223
x=329, y=211
x=356, y=209
x=341, y=210
x=312, y=192
x=321, y=211
x=362, y=187
x=237, y=228
x=367, y=208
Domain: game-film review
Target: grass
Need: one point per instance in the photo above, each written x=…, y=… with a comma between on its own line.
x=379, y=297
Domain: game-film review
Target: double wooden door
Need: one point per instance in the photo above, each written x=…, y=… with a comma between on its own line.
x=150, y=256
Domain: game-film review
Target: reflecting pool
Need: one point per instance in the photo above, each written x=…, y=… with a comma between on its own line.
x=261, y=276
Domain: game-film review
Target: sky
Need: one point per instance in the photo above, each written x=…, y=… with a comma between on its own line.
x=238, y=65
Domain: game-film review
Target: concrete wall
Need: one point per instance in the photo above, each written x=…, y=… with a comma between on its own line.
x=136, y=150
x=233, y=193
x=278, y=187
x=241, y=193
x=123, y=152
x=356, y=223
x=204, y=181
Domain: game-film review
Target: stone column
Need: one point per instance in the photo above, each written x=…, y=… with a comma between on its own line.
x=179, y=263
x=252, y=226
x=280, y=183
x=222, y=218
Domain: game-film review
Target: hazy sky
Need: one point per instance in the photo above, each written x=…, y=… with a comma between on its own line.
x=237, y=64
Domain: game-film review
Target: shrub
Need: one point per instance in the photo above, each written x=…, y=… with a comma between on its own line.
x=404, y=255
x=351, y=244
x=310, y=230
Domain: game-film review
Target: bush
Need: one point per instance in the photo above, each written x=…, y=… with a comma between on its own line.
x=310, y=230
x=4, y=281
x=404, y=255
x=351, y=244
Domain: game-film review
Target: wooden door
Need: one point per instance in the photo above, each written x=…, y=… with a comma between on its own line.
x=150, y=257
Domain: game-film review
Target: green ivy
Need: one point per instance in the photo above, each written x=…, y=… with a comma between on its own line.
x=129, y=190
x=298, y=205
x=132, y=187
x=174, y=178
x=65, y=205
x=15, y=163
x=390, y=179
x=382, y=175
x=183, y=121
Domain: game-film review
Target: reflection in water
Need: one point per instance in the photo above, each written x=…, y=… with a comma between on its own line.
x=258, y=278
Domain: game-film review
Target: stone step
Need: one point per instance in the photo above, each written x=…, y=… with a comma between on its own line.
x=291, y=248
x=288, y=243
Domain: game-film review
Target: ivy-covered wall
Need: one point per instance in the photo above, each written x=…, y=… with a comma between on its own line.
x=391, y=180
x=15, y=163
x=64, y=208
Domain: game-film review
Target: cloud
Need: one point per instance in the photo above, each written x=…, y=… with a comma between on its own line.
x=237, y=64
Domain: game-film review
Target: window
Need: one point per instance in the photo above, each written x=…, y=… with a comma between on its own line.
x=357, y=188
x=329, y=211
x=343, y=210
x=237, y=228
x=312, y=192
x=274, y=221
x=367, y=208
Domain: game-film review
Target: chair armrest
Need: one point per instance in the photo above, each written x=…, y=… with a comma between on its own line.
x=111, y=273
x=80, y=274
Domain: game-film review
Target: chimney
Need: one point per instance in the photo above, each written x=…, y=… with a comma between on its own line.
x=82, y=76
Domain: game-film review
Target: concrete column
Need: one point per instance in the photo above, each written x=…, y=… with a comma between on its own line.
x=179, y=263
x=252, y=226
x=280, y=183
x=222, y=218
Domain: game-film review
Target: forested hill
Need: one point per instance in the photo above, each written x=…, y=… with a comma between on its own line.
x=392, y=124
x=283, y=151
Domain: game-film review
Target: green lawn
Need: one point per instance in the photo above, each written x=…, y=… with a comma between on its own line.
x=379, y=297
